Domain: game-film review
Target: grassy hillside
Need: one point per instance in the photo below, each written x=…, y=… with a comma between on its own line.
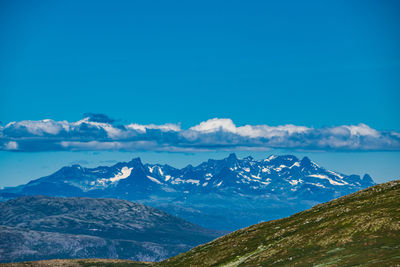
x=359, y=229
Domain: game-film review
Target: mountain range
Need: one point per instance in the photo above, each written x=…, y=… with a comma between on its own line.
x=225, y=194
x=39, y=227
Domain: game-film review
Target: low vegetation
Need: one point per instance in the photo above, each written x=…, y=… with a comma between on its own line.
x=361, y=229
x=80, y=263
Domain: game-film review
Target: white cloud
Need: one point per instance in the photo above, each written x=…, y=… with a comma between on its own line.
x=271, y=131
x=214, y=125
x=227, y=125
x=164, y=127
x=101, y=133
x=362, y=129
x=11, y=145
x=41, y=127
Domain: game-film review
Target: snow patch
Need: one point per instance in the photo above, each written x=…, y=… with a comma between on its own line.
x=266, y=170
x=123, y=174
x=160, y=171
x=178, y=181
x=295, y=182
x=296, y=164
x=332, y=182
x=336, y=174
x=317, y=184
x=193, y=181
x=154, y=179
x=270, y=158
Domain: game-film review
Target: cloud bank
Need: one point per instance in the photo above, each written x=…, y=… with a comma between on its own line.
x=99, y=132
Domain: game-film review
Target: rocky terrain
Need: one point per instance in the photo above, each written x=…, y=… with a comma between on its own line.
x=38, y=227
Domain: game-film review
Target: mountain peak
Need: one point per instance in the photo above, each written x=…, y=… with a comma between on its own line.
x=135, y=162
x=271, y=157
x=231, y=160
x=367, y=180
x=250, y=158
x=290, y=157
x=305, y=162
x=71, y=170
x=76, y=166
x=232, y=156
x=189, y=167
x=367, y=177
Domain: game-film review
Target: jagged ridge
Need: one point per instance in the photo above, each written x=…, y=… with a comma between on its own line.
x=253, y=190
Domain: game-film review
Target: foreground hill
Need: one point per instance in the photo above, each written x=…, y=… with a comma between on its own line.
x=226, y=194
x=360, y=229
x=37, y=228
x=80, y=263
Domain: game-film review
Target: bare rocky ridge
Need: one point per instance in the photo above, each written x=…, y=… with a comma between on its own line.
x=38, y=227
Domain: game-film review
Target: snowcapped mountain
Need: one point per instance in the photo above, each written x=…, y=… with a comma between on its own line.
x=276, y=174
x=277, y=185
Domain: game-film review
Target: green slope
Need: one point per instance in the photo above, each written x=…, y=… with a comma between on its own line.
x=361, y=229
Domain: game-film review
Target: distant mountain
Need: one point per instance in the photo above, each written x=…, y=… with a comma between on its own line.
x=37, y=228
x=221, y=194
x=361, y=229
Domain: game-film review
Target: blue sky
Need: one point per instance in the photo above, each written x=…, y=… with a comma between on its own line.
x=316, y=64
